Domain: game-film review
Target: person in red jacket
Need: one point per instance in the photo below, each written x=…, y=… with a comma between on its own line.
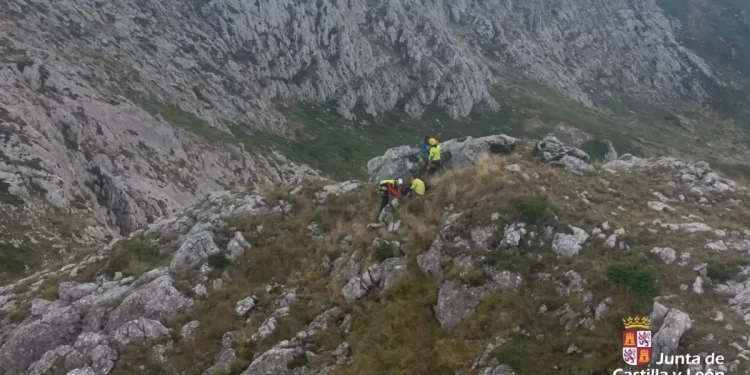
x=388, y=188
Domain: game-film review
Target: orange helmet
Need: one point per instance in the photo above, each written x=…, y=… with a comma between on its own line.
x=432, y=142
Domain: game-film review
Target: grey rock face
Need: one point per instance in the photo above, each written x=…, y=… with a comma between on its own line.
x=58, y=326
x=385, y=276
x=193, y=252
x=498, y=370
x=94, y=350
x=237, y=246
x=667, y=254
x=404, y=161
x=277, y=359
x=157, y=300
x=188, y=330
x=336, y=189
x=456, y=303
x=569, y=244
x=552, y=151
x=140, y=329
x=244, y=306
x=667, y=339
x=689, y=175
x=421, y=54
x=83, y=371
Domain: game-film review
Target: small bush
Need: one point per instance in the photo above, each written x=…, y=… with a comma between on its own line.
x=633, y=276
x=19, y=314
x=297, y=362
x=48, y=289
x=12, y=259
x=511, y=354
x=133, y=257
x=218, y=261
x=718, y=272
x=383, y=251
x=533, y=209
x=597, y=149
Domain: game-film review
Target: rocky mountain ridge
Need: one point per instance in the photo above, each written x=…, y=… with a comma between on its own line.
x=297, y=280
x=113, y=114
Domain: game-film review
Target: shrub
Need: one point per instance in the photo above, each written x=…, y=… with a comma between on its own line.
x=383, y=252
x=297, y=362
x=718, y=272
x=633, y=276
x=19, y=314
x=133, y=257
x=48, y=289
x=511, y=354
x=533, y=209
x=12, y=259
x=218, y=261
x=596, y=148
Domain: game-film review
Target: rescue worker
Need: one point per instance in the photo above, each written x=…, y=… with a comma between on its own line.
x=415, y=186
x=433, y=159
x=388, y=188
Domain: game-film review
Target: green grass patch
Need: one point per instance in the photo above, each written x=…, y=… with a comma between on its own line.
x=218, y=261
x=719, y=273
x=403, y=337
x=133, y=257
x=18, y=314
x=596, y=148
x=383, y=251
x=48, y=289
x=179, y=117
x=534, y=209
x=12, y=259
x=633, y=276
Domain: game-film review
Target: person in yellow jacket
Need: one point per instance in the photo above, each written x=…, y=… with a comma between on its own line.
x=433, y=159
x=415, y=186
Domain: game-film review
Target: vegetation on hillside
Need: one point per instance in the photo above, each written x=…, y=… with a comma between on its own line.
x=284, y=253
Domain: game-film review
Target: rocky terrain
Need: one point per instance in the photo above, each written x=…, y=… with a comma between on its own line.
x=114, y=114
x=523, y=258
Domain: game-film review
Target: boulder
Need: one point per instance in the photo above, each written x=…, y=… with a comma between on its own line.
x=552, y=151
x=404, y=161
x=569, y=244
x=193, y=252
x=158, y=300
x=667, y=339
x=336, y=189
x=58, y=326
x=140, y=329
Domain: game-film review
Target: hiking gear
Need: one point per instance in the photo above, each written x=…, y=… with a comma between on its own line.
x=432, y=142
x=424, y=146
x=435, y=153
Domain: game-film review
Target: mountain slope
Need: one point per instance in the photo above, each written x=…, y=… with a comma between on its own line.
x=507, y=266
x=114, y=114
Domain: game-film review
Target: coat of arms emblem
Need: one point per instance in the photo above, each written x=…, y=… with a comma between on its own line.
x=636, y=341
